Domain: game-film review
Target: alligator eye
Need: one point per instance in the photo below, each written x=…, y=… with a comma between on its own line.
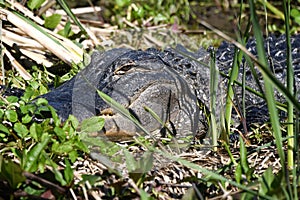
x=124, y=68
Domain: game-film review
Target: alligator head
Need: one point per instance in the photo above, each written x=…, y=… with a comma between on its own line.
x=135, y=79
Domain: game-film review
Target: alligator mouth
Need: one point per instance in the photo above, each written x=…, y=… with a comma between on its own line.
x=149, y=83
x=119, y=135
x=167, y=113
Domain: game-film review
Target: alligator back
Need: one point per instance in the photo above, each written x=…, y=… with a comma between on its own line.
x=275, y=48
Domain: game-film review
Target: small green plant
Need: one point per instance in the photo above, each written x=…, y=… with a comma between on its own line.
x=32, y=133
x=146, y=13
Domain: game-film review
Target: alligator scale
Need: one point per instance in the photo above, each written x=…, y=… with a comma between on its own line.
x=171, y=82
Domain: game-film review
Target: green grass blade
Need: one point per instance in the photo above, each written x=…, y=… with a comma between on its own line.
x=213, y=95
x=157, y=118
x=290, y=87
x=118, y=107
x=272, y=9
x=154, y=115
x=290, y=107
x=122, y=110
x=230, y=92
x=67, y=9
x=269, y=90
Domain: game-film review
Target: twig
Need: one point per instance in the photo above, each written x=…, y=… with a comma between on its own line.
x=1, y=54
x=26, y=12
x=23, y=73
x=79, y=11
x=44, y=182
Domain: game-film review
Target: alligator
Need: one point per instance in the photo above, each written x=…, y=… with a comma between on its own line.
x=173, y=83
x=136, y=79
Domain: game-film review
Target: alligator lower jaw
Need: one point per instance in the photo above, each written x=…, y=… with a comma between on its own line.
x=113, y=135
x=118, y=136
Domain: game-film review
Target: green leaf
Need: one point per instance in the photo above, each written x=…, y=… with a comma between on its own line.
x=68, y=146
x=68, y=172
x=31, y=190
x=36, y=131
x=1, y=113
x=21, y=129
x=54, y=115
x=52, y=21
x=63, y=148
x=11, y=115
x=41, y=102
x=12, y=99
x=81, y=146
x=250, y=173
x=92, y=124
x=67, y=31
x=31, y=161
x=295, y=13
x=28, y=94
x=11, y=172
x=266, y=181
x=140, y=12
x=160, y=18
x=230, y=92
x=213, y=86
x=146, y=162
x=238, y=173
x=243, y=156
x=60, y=133
x=4, y=129
x=2, y=103
x=297, y=19
x=144, y=195
x=71, y=121
x=122, y=3
x=42, y=162
x=26, y=119
x=105, y=147
x=58, y=176
x=131, y=164
x=73, y=155
x=92, y=179
x=269, y=86
x=35, y=4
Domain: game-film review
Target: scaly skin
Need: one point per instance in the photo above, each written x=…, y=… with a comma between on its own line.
x=169, y=82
